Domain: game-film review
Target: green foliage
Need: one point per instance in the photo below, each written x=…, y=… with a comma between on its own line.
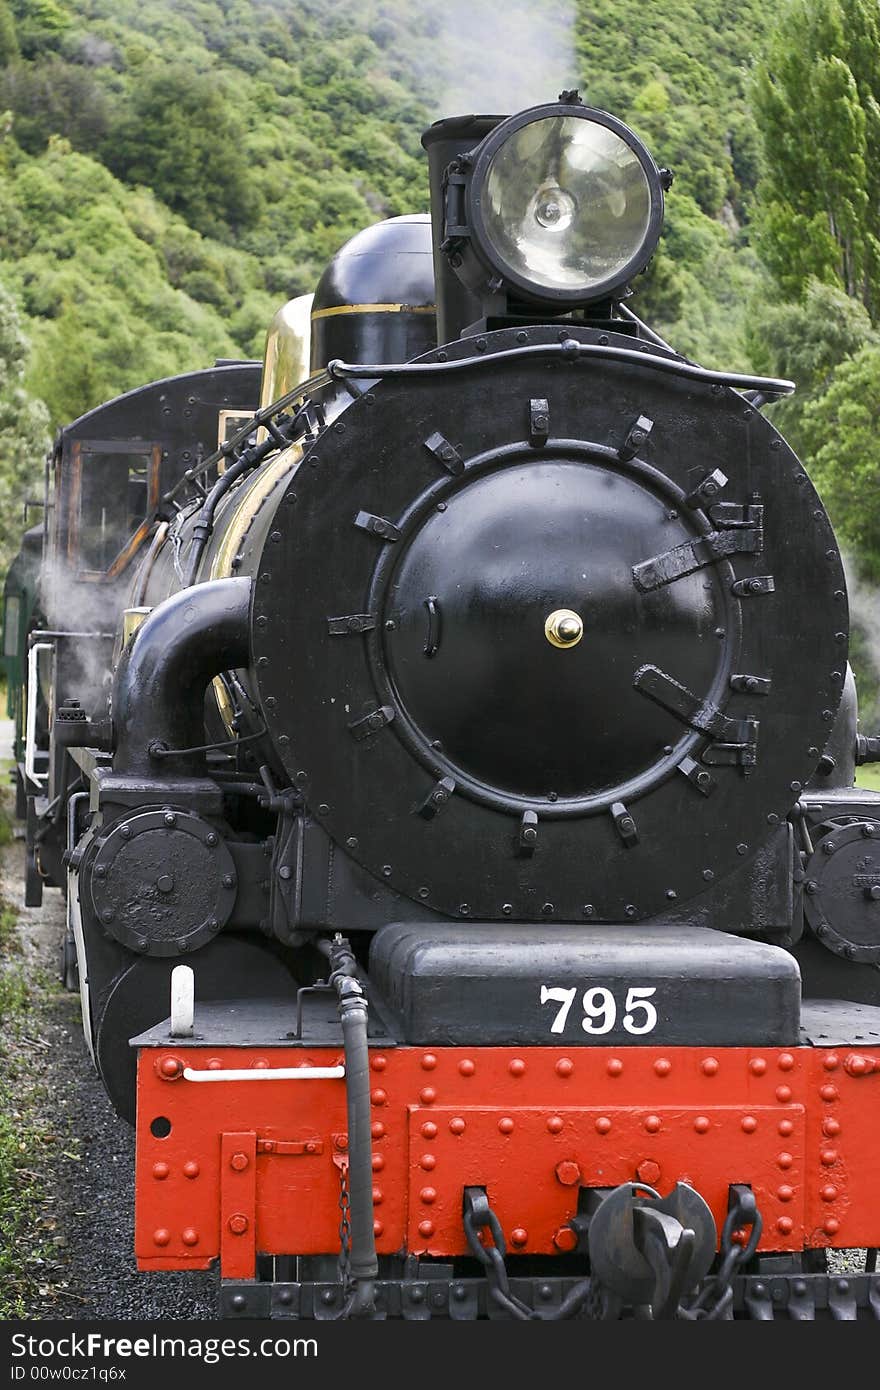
x=816, y=98
x=9, y=49
x=24, y=429
x=840, y=429
x=103, y=274
x=182, y=136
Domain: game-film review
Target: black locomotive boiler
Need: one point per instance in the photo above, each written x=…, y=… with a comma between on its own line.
x=453, y=722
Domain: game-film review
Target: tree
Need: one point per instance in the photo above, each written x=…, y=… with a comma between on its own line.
x=184, y=139
x=816, y=97
x=24, y=429
x=8, y=37
x=840, y=430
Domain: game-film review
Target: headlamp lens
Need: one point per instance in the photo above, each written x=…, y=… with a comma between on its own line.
x=566, y=203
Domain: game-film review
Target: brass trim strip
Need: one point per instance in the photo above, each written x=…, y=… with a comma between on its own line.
x=374, y=309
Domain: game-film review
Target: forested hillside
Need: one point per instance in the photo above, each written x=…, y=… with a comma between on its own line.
x=171, y=171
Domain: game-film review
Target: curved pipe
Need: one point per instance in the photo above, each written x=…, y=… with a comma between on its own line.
x=160, y=682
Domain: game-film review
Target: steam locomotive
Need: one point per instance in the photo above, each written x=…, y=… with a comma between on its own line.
x=444, y=737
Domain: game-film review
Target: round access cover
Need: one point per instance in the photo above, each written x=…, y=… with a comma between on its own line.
x=842, y=891
x=163, y=882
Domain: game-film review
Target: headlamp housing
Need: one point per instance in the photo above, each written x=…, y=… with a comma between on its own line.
x=560, y=205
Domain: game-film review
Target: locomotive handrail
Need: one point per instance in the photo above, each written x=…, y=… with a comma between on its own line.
x=266, y=1074
x=569, y=349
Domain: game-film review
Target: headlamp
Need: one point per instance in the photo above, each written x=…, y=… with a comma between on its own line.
x=559, y=205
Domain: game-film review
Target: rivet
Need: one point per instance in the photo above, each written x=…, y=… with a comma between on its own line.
x=190, y=1237
x=215, y=1064
x=652, y=1123
x=748, y=1124
x=555, y=1124
x=427, y=1095
x=169, y=819
x=426, y=1229
x=459, y=1293
x=505, y=1125
x=378, y=1063
x=742, y=849
x=829, y=1092
x=261, y=1063
x=831, y=1226
x=519, y=1236
x=171, y=1067
x=757, y=1066
x=239, y=1162
x=785, y=1226
x=377, y=1129
x=378, y=1228
x=429, y=1130
x=602, y=1125
x=785, y=1193
x=329, y=1296
x=565, y=1239
x=351, y=842
x=429, y=1062
x=428, y=1162
x=161, y=1237
x=238, y=1224
x=663, y=1066
x=428, y=1195
x=161, y=1171
x=516, y=1067
x=829, y=1193
x=507, y=909
x=378, y=1097
x=568, y=1172
x=783, y=1094
x=614, y=1066
x=701, y=1124
x=785, y=1128
x=828, y=1157
x=466, y=1067
x=709, y=1066
x=842, y=1285
x=784, y=1160
x=564, y=1067
x=831, y=1127
x=785, y=1061
x=457, y=1125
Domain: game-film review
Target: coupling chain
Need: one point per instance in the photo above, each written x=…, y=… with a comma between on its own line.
x=344, y=1263
x=715, y=1300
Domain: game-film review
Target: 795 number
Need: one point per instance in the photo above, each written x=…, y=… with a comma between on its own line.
x=600, y=1008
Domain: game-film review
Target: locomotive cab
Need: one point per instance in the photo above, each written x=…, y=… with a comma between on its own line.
x=464, y=774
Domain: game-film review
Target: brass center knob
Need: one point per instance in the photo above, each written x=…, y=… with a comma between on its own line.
x=563, y=628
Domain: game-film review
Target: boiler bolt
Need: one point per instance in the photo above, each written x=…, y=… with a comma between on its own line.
x=169, y=818
x=568, y=1172
x=211, y=839
x=228, y=881
x=239, y=1162
x=238, y=1224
